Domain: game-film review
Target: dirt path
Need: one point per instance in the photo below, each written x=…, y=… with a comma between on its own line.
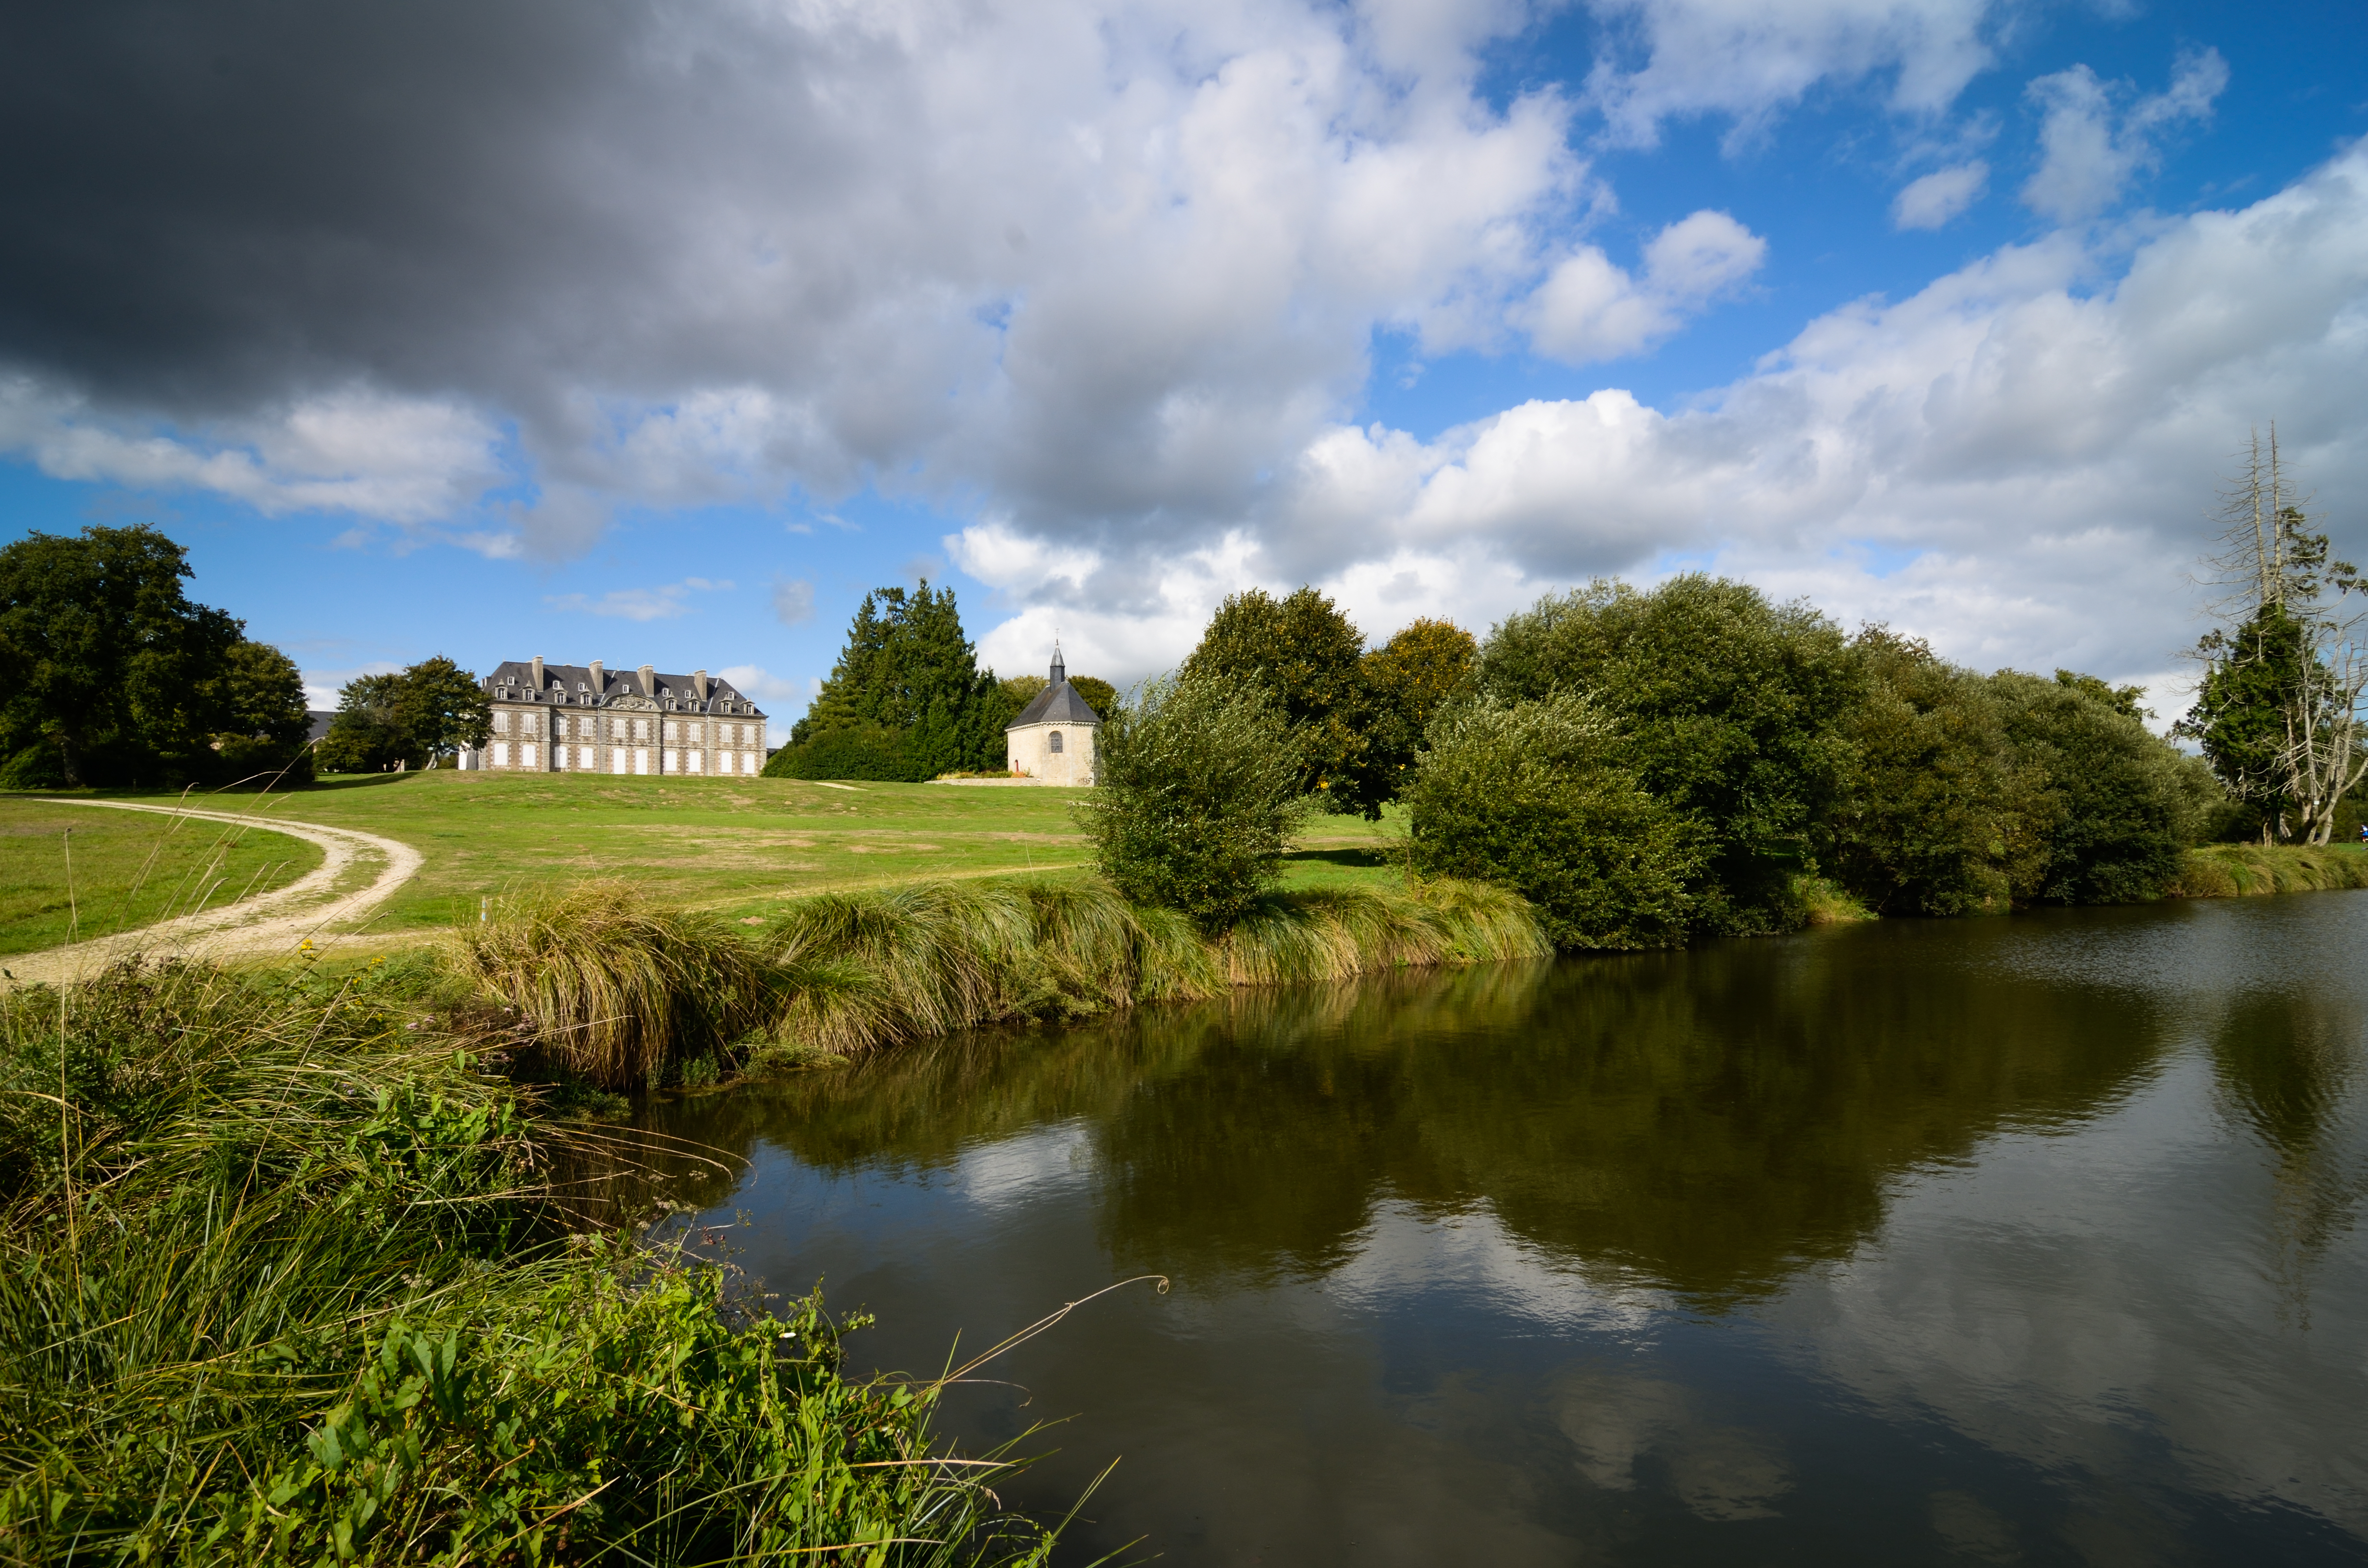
x=274, y=922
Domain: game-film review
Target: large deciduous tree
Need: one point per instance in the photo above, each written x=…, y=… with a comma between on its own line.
x=117, y=676
x=1408, y=680
x=1730, y=707
x=1305, y=657
x=415, y=716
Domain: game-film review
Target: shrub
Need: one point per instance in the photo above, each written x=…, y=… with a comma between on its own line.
x=1730, y=707
x=855, y=751
x=1920, y=827
x=2125, y=805
x=1534, y=797
x=1199, y=795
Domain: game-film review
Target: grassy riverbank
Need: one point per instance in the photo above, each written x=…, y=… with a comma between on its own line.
x=2241, y=870
x=611, y=987
x=288, y=1279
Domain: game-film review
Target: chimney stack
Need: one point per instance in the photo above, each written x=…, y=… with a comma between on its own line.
x=649, y=681
x=537, y=678
x=698, y=684
x=600, y=682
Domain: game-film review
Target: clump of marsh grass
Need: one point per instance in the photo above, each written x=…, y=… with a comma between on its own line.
x=617, y=989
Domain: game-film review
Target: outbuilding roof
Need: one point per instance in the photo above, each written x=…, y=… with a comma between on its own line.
x=1058, y=703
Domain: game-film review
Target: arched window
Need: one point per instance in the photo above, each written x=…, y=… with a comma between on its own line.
x=1054, y=740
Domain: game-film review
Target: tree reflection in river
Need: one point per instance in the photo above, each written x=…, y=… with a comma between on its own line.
x=2286, y=1062
x=1707, y=1122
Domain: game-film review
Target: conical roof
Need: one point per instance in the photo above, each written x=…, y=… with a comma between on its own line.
x=1058, y=703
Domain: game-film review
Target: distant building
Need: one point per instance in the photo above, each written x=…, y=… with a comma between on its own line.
x=1052, y=739
x=588, y=719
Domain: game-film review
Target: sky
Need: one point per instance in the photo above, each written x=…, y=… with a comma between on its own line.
x=658, y=334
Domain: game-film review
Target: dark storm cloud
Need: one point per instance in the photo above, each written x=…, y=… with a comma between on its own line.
x=213, y=204
x=1105, y=267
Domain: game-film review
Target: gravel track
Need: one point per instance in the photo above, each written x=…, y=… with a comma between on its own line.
x=270, y=922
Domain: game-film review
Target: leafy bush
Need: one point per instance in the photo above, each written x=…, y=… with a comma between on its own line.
x=1729, y=707
x=1966, y=793
x=2121, y=804
x=1924, y=821
x=855, y=751
x=1199, y=795
x=1537, y=796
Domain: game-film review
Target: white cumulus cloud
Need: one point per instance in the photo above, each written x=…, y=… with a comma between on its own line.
x=2015, y=462
x=1932, y=202
x=1589, y=308
x=2089, y=154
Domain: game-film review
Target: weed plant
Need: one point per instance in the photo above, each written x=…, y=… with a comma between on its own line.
x=285, y=1280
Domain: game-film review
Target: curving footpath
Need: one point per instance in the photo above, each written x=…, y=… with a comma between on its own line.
x=273, y=922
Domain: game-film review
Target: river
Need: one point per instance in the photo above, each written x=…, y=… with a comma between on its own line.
x=2001, y=1241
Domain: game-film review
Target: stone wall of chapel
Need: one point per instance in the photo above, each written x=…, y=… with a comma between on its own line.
x=1030, y=750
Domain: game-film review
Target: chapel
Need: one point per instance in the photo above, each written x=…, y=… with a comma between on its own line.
x=1052, y=739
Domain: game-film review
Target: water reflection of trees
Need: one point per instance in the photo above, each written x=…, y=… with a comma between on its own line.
x=1709, y=1121
x=2284, y=1063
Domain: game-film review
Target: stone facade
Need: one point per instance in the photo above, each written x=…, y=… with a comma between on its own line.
x=590, y=719
x=1052, y=739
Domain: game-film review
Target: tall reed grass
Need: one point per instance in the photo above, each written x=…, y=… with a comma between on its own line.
x=2239, y=870
x=849, y=972
x=283, y=1278
x=618, y=987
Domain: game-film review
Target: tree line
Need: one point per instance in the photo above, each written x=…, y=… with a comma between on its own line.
x=1651, y=766
x=907, y=701
x=119, y=679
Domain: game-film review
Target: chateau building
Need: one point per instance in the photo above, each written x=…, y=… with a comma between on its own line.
x=1052, y=739
x=589, y=719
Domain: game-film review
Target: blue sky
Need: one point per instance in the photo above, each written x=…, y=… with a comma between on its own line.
x=1100, y=317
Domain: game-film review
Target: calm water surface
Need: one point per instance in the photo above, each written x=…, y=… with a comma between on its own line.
x=2029, y=1240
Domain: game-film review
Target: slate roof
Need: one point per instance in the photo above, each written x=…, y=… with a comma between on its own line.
x=574, y=681
x=1058, y=703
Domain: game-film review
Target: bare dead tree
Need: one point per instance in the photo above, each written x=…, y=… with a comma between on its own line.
x=2304, y=653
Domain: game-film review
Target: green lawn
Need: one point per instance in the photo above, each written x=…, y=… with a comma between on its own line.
x=739, y=846
x=129, y=869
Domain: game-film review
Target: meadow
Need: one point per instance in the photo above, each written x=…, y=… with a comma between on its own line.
x=119, y=870
x=737, y=848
